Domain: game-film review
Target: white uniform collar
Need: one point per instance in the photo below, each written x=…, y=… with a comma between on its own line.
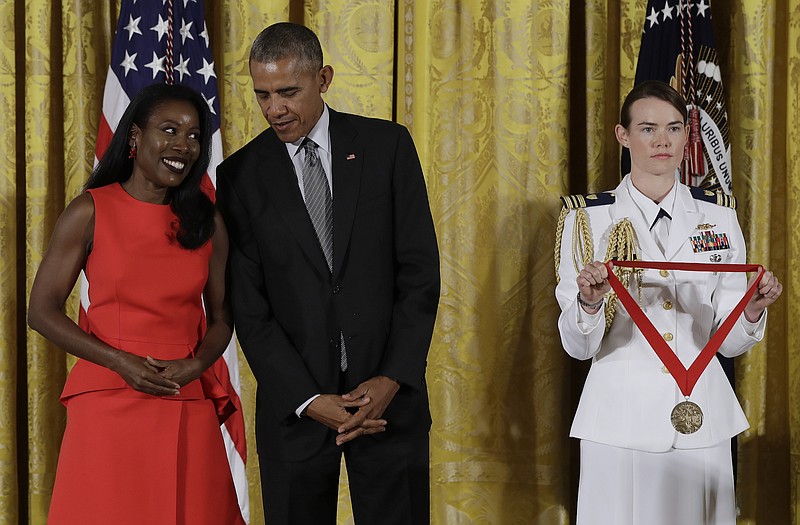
x=685, y=218
x=647, y=207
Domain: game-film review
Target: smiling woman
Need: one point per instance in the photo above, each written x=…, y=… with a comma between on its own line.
x=165, y=150
x=178, y=129
x=142, y=398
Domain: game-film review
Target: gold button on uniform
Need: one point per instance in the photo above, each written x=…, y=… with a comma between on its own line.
x=667, y=305
x=664, y=370
x=667, y=337
x=664, y=273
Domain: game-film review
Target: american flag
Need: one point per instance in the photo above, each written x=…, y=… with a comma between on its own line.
x=167, y=41
x=678, y=48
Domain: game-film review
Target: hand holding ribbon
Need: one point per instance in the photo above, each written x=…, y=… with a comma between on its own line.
x=593, y=282
x=769, y=289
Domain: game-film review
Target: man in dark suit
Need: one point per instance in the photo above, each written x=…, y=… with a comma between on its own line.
x=334, y=296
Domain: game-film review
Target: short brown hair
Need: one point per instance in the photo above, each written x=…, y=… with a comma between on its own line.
x=652, y=89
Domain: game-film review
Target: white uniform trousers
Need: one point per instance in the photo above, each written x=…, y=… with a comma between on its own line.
x=680, y=487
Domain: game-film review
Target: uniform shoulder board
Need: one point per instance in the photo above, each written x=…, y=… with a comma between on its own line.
x=572, y=202
x=715, y=197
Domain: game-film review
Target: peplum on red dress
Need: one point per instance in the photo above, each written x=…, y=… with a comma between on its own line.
x=129, y=457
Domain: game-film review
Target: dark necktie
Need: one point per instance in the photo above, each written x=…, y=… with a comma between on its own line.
x=660, y=229
x=320, y=209
x=318, y=199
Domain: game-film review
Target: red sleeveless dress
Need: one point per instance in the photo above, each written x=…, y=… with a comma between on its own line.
x=129, y=457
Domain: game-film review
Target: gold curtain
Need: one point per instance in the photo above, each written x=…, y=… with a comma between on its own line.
x=9, y=325
x=511, y=104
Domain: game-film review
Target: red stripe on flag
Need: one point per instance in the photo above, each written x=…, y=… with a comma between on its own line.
x=235, y=423
x=208, y=188
x=104, y=134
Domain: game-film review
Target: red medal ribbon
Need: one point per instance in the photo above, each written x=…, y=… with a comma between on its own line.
x=686, y=379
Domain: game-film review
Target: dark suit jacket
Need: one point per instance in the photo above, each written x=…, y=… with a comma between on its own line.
x=288, y=307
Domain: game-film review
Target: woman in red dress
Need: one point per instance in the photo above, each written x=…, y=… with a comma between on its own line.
x=142, y=442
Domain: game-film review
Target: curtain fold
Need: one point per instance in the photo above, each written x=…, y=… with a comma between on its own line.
x=10, y=287
x=787, y=248
x=511, y=104
x=44, y=200
x=485, y=93
x=757, y=50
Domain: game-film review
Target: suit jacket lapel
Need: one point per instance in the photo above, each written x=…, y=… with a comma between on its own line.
x=346, y=162
x=279, y=184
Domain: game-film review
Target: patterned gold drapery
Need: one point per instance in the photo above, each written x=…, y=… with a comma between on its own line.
x=511, y=104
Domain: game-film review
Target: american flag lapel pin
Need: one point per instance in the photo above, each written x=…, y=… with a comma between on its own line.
x=351, y=156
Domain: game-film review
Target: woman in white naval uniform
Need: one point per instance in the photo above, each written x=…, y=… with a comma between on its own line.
x=636, y=469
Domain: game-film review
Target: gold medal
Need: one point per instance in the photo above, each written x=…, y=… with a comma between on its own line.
x=686, y=417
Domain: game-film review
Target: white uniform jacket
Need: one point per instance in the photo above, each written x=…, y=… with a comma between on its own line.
x=629, y=395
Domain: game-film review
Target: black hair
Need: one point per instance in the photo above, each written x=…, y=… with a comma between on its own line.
x=193, y=207
x=287, y=40
x=652, y=89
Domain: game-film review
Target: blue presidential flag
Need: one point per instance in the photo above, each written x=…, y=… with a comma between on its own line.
x=678, y=48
